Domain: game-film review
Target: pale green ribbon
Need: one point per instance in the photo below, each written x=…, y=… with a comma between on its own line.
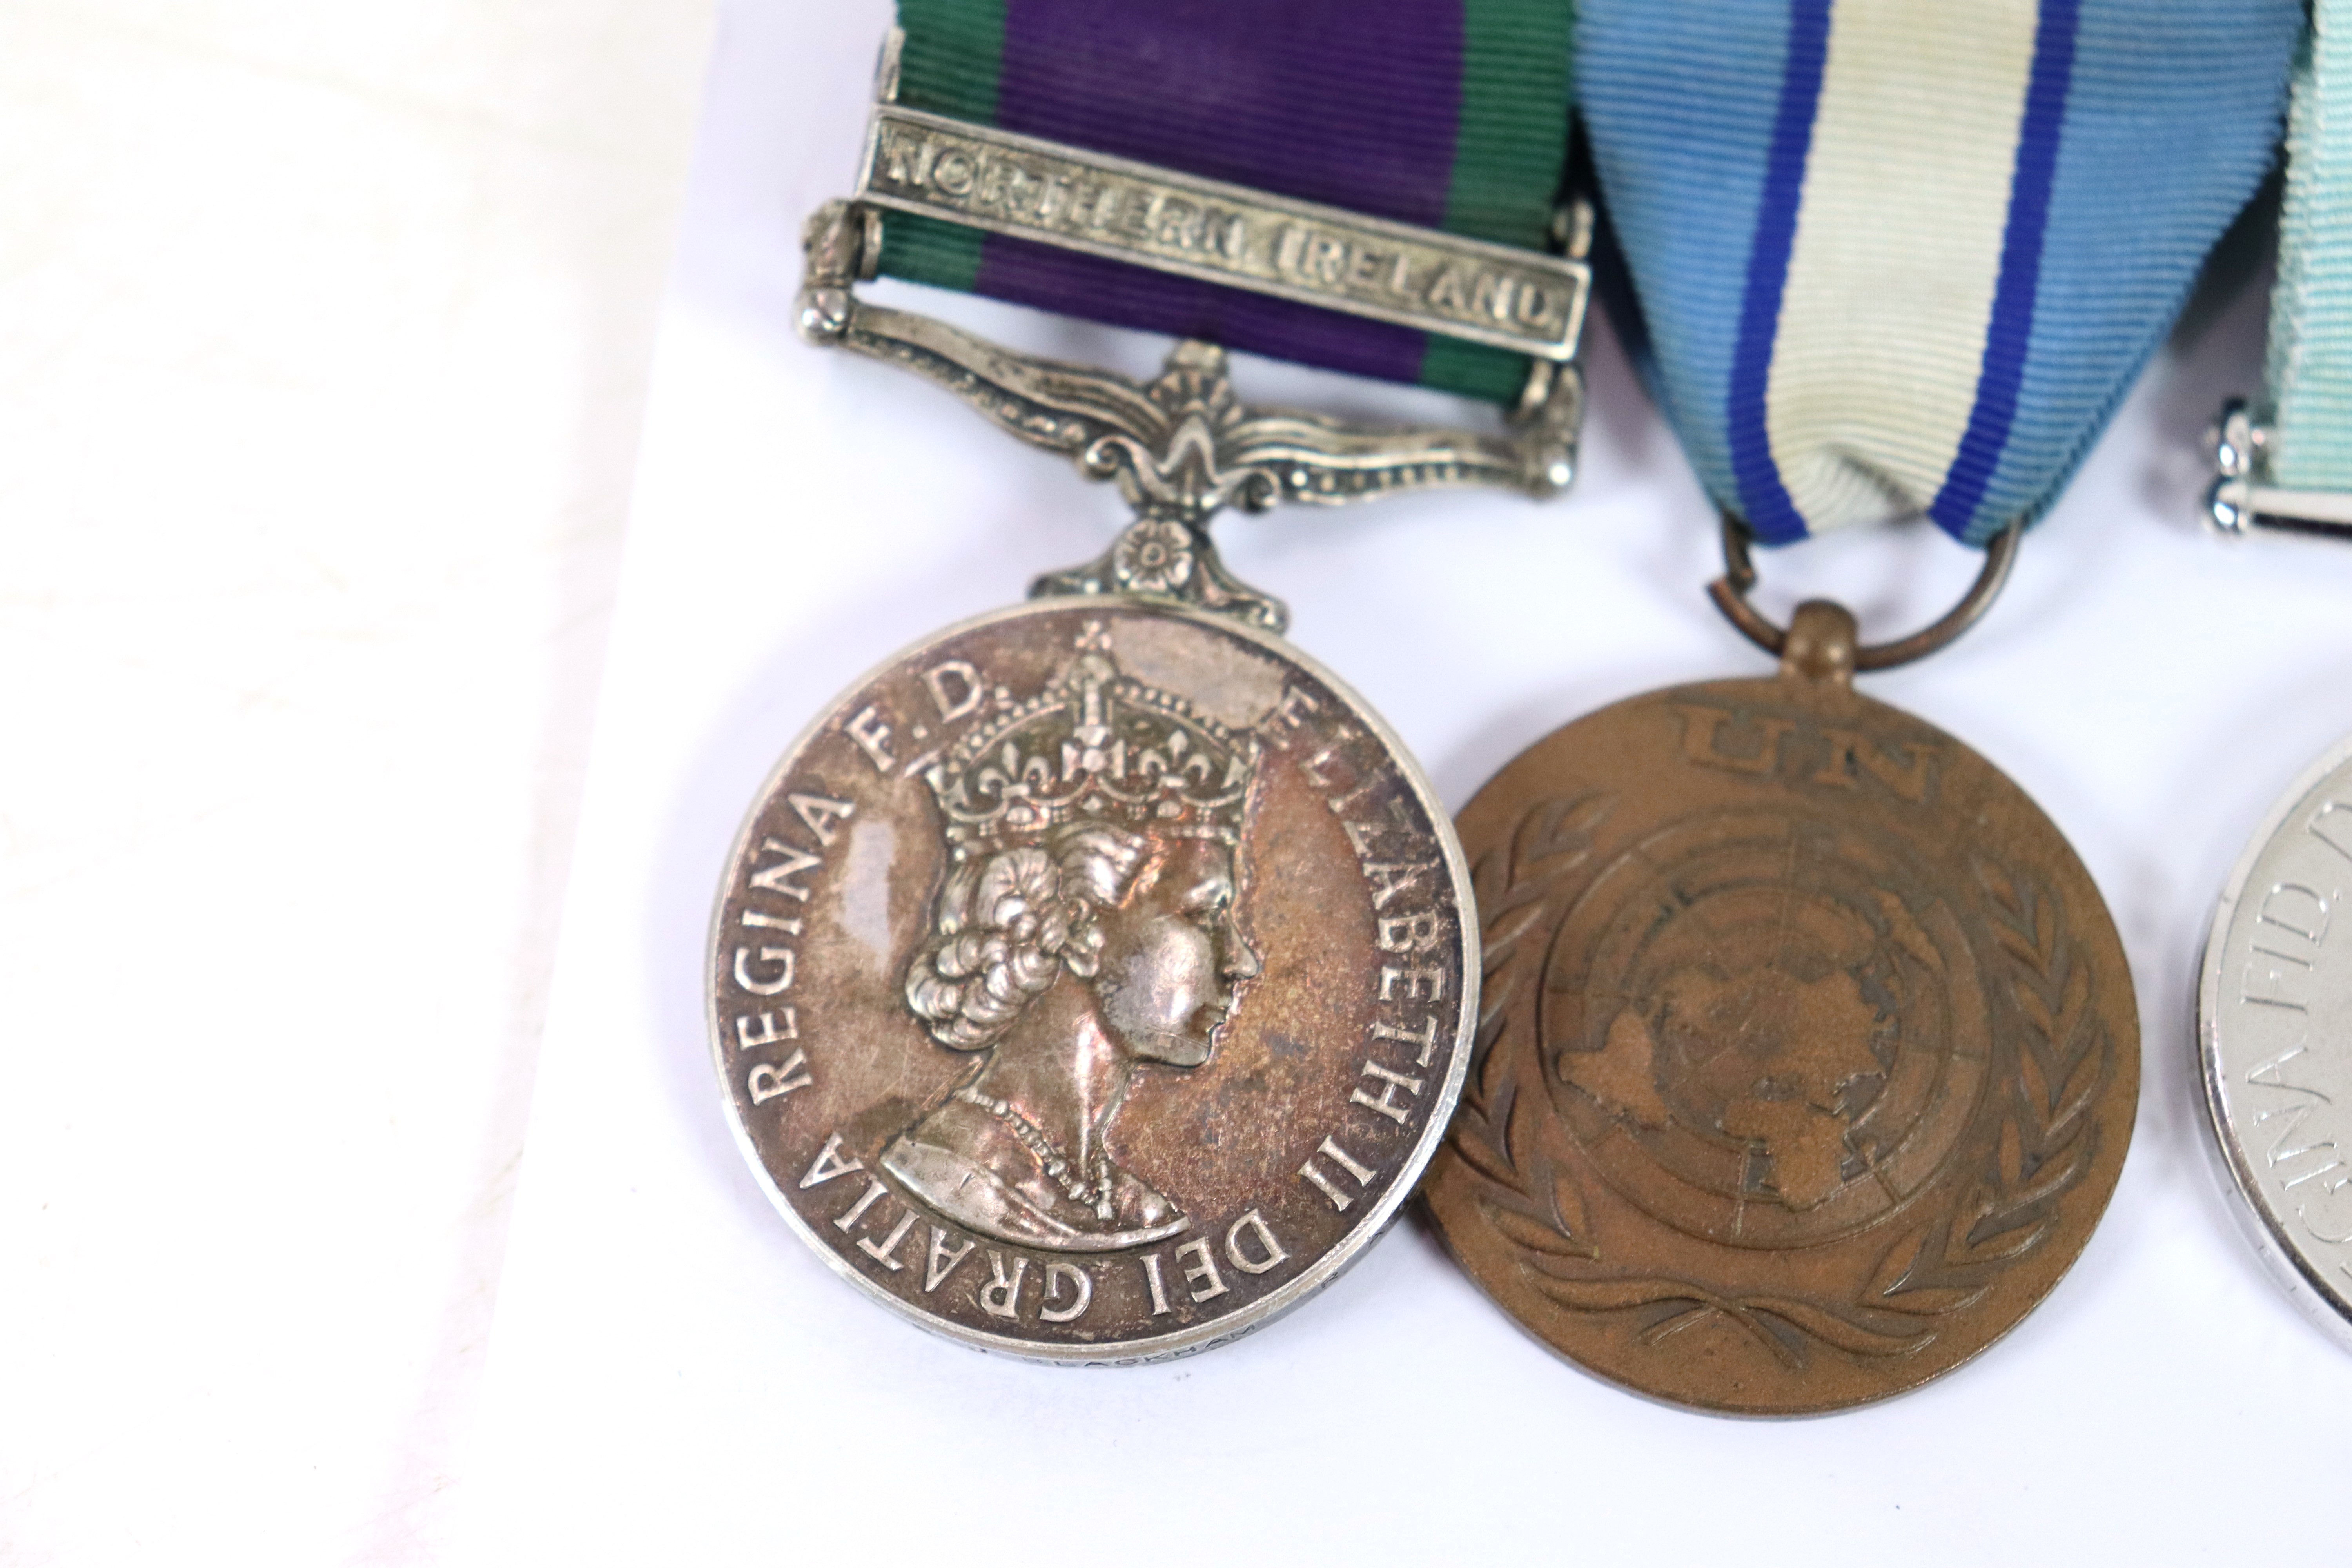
x=2309, y=443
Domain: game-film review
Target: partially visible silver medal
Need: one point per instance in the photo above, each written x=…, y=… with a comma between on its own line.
x=2274, y=998
x=1094, y=980
x=2275, y=1039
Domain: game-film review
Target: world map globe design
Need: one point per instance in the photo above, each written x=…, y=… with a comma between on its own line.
x=1756, y=1037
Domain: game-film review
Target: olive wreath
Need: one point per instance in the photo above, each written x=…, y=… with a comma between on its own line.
x=1514, y=1143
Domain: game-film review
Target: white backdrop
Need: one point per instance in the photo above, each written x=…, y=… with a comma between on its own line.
x=674, y=1377
x=324, y=337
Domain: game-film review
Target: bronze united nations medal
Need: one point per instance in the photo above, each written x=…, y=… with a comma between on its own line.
x=1090, y=982
x=1809, y=1054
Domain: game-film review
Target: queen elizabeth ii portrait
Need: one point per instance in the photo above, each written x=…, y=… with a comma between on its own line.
x=1086, y=930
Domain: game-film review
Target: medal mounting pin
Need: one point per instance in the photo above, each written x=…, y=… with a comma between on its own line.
x=2243, y=499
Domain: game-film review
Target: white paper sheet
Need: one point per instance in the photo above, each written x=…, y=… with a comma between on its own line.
x=325, y=333
x=676, y=1378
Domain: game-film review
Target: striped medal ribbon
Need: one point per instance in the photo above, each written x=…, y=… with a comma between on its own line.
x=2288, y=464
x=1898, y=258
x=1371, y=186
x=1449, y=115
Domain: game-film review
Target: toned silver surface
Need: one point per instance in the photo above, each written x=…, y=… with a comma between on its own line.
x=1425, y=278
x=2274, y=1035
x=1092, y=981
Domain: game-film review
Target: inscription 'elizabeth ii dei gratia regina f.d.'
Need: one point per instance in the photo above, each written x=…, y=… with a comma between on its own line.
x=1091, y=982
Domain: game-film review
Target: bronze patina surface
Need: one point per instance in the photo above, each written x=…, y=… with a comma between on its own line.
x=1090, y=982
x=1808, y=1056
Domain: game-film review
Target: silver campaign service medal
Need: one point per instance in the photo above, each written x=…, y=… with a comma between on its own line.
x=1093, y=981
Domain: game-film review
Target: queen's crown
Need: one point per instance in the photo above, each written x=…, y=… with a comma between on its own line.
x=1096, y=745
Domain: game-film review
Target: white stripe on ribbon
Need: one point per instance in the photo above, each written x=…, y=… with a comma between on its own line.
x=1897, y=252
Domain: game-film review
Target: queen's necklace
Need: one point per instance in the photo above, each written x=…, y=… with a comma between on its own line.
x=1094, y=1192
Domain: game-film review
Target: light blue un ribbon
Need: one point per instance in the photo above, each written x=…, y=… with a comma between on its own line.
x=1905, y=257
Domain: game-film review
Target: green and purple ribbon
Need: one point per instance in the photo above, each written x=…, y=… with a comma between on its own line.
x=1448, y=114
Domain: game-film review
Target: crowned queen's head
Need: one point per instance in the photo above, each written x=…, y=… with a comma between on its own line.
x=1086, y=927
x=1095, y=746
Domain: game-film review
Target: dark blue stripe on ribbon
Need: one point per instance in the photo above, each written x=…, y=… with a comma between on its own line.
x=2011, y=329
x=1770, y=515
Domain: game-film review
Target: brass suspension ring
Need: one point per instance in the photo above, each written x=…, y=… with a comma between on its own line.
x=1730, y=592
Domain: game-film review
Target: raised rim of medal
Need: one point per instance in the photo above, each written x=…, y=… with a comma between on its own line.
x=1377, y=1218
x=2328, y=1307
x=1612, y=1378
